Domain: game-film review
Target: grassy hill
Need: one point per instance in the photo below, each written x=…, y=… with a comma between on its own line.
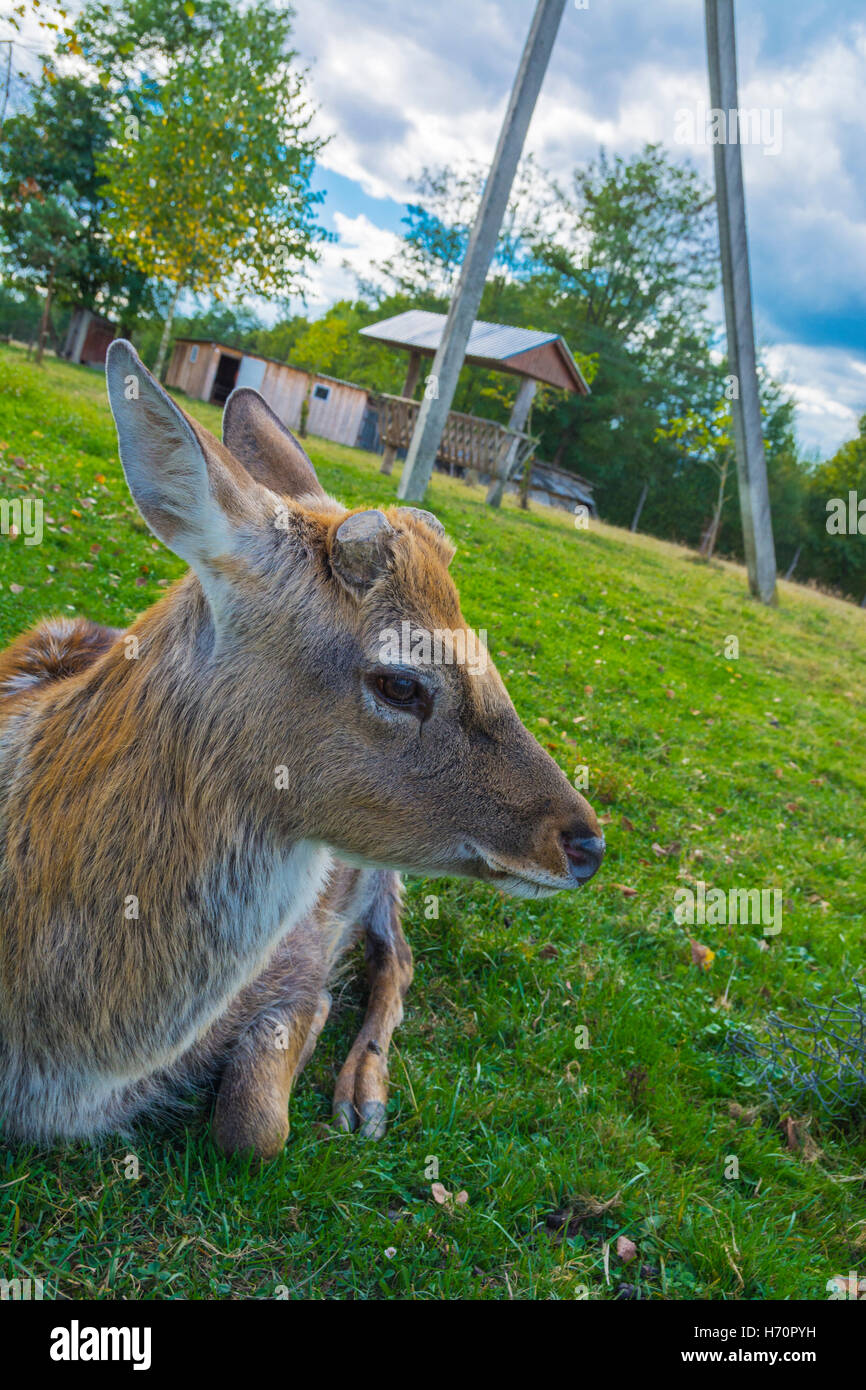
x=741, y=772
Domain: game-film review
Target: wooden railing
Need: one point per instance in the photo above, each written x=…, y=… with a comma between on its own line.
x=467, y=441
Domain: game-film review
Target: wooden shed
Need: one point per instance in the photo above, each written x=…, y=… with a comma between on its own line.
x=87, y=338
x=210, y=371
x=556, y=487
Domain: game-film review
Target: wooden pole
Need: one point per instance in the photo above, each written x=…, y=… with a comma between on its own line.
x=479, y=253
x=413, y=371
x=734, y=248
x=519, y=415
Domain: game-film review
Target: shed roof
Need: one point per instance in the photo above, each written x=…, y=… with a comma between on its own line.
x=521, y=351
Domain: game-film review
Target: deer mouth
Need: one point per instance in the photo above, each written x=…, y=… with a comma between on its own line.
x=523, y=883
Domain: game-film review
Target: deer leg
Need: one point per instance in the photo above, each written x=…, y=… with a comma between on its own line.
x=252, y=1105
x=361, y=1093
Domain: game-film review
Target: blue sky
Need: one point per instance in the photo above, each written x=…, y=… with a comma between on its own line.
x=401, y=84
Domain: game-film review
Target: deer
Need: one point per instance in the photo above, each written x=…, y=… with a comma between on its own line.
x=202, y=813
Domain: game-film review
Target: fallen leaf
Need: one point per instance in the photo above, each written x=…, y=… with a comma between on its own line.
x=798, y=1138
x=702, y=956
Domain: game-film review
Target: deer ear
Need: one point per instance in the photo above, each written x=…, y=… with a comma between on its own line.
x=265, y=447
x=186, y=486
x=360, y=548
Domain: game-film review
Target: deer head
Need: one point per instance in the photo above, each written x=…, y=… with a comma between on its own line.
x=411, y=758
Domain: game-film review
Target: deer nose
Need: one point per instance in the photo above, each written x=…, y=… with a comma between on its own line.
x=583, y=852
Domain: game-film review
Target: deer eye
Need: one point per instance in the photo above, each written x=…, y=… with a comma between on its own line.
x=400, y=690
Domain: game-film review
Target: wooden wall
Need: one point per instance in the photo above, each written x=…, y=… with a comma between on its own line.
x=339, y=417
x=283, y=387
x=195, y=378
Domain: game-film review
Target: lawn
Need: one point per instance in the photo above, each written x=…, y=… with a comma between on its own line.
x=741, y=772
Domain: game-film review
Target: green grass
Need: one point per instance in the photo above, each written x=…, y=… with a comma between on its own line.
x=612, y=647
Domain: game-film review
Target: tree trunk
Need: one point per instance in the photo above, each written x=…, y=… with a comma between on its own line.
x=166, y=333
x=717, y=515
x=639, y=508
x=43, y=326
x=793, y=564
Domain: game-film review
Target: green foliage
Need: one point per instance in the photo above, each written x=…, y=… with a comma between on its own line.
x=51, y=190
x=838, y=557
x=737, y=772
x=209, y=166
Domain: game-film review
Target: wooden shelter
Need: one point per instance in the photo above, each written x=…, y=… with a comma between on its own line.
x=209, y=371
x=468, y=441
x=87, y=338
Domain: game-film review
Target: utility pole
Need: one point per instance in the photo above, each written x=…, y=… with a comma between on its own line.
x=734, y=248
x=479, y=253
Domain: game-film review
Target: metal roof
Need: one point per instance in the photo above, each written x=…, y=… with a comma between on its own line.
x=490, y=344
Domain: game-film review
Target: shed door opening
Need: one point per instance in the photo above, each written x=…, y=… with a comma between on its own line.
x=224, y=381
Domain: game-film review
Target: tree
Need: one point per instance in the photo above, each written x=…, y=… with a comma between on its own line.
x=709, y=439
x=50, y=152
x=835, y=550
x=43, y=243
x=208, y=169
x=427, y=262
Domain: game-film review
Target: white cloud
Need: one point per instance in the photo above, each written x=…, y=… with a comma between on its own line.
x=828, y=387
x=360, y=245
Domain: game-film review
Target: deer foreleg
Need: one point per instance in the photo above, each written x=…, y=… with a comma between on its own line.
x=361, y=1093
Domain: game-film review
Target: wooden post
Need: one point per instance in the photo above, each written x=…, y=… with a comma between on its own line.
x=479, y=253
x=639, y=508
x=734, y=247
x=413, y=371
x=793, y=565
x=519, y=415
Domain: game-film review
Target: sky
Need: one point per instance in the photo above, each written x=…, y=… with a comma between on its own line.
x=401, y=84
